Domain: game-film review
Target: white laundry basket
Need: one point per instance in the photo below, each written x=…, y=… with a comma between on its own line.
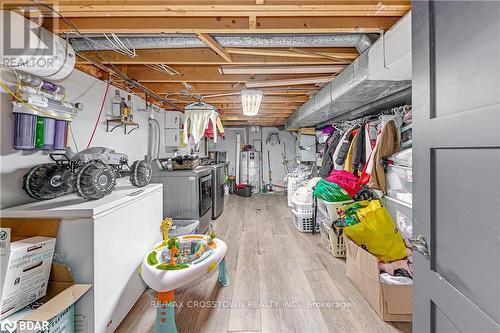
x=303, y=221
x=303, y=208
x=329, y=209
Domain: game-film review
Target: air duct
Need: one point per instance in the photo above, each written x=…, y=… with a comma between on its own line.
x=380, y=72
x=173, y=41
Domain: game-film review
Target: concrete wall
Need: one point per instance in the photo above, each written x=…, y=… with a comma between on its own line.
x=88, y=90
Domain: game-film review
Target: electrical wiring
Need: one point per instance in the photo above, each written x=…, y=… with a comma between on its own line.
x=120, y=47
x=100, y=113
x=116, y=71
x=73, y=137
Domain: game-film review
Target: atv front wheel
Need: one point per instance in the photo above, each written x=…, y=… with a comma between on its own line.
x=140, y=173
x=47, y=181
x=95, y=180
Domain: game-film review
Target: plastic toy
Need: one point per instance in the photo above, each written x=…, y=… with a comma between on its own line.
x=91, y=172
x=175, y=262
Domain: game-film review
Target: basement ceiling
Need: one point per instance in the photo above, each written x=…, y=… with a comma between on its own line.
x=186, y=50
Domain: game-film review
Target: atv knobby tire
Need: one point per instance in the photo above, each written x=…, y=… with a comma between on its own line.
x=140, y=173
x=47, y=181
x=95, y=180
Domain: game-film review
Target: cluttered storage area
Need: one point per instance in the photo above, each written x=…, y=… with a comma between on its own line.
x=249, y=167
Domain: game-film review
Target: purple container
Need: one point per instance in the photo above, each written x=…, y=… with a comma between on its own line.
x=49, y=134
x=61, y=135
x=24, y=131
x=49, y=86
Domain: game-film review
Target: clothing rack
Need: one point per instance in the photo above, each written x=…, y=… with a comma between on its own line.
x=346, y=124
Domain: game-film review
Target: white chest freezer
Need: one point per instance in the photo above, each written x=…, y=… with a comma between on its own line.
x=103, y=242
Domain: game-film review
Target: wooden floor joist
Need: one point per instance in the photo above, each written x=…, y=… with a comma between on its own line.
x=200, y=71
x=236, y=24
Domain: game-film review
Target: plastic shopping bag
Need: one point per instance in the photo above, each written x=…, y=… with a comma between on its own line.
x=377, y=233
x=346, y=180
x=330, y=192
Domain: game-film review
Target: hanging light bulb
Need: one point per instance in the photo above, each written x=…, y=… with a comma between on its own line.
x=250, y=101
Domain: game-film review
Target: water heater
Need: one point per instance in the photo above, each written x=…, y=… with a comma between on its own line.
x=250, y=169
x=30, y=48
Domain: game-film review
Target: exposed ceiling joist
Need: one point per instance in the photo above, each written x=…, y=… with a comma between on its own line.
x=286, y=82
x=341, y=56
x=206, y=56
x=212, y=43
x=290, y=69
x=218, y=24
x=201, y=9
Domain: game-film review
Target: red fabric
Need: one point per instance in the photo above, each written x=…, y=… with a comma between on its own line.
x=209, y=131
x=346, y=180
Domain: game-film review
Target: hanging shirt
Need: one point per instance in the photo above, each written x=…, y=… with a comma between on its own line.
x=209, y=132
x=197, y=117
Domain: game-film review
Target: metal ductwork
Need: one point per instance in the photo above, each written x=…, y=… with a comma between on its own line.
x=170, y=41
x=379, y=73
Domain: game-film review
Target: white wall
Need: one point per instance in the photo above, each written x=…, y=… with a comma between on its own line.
x=277, y=169
x=88, y=90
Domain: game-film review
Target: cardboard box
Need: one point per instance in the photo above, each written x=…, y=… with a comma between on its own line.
x=391, y=302
x=27, y=273
x=4, y=255
x=57, y=314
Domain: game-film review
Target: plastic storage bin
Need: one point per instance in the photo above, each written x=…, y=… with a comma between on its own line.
x=303, y=221
x=329, y=209
x=399, y=182
x=401, y=213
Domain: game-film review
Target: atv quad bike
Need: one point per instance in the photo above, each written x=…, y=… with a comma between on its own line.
x=91, y=173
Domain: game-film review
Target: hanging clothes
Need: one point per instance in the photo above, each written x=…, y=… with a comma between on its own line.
x=331, y=144
x=220, y=128
x=359, y=155
x=342, y=149
x=387, y=144
x=350, y=152
x=371, y=133
x=209, y=131
x=197, y=116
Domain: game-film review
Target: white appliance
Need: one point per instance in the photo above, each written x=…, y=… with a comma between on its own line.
x=103, y=241
x=33, y=49
x=305, y=146
x=250, y=169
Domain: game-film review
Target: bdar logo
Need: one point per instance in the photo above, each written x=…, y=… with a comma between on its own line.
x=8, y=326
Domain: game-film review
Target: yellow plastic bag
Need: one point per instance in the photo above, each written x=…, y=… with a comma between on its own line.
x=377, y=233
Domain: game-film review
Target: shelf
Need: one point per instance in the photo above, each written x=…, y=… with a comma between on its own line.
x=118, y=123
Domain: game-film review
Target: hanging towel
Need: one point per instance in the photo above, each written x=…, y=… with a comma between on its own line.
x=196, y=121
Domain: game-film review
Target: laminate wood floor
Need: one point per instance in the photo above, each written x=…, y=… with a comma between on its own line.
x=280, y=281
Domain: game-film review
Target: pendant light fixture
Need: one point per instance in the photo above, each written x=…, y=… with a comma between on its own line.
x=250, y=101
